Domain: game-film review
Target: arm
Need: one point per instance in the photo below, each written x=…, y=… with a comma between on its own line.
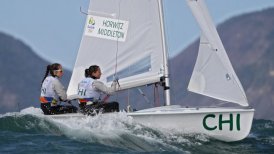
x=60, y=90
x=103, y=88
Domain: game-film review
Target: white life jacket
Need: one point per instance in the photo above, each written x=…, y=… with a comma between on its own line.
x=47, y=91
x=87, y=91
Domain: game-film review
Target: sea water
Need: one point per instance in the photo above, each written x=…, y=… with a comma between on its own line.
x=29, y=131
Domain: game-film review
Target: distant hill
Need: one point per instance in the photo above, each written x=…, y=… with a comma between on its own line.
x=249, y=41
x=21, y=74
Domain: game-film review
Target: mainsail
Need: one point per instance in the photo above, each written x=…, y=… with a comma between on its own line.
x=213, y=74
x=124, y=40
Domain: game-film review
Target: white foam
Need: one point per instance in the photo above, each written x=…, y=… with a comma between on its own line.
x=32, y=111
x=115, y=129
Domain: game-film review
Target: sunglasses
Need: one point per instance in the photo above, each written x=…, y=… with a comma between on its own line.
x=59, y=71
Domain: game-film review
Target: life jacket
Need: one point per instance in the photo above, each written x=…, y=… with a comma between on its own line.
x=86, y=92
x=48, y=94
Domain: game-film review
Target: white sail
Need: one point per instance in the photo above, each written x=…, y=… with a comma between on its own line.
x=213, y=74
x=123, y=37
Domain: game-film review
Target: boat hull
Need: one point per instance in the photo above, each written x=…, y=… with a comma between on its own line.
x=225, y=124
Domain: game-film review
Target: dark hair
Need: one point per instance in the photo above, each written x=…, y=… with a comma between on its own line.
x=50, y=69
x=87, y=74
x=90, y=70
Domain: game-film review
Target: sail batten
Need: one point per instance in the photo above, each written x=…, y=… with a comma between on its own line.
x=213, y=74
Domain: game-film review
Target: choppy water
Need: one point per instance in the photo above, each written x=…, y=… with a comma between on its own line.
x=31, y=132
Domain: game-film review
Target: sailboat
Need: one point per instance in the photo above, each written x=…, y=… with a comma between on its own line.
x=126, y=38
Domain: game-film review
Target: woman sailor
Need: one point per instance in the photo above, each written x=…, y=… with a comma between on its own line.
x=52, y=92
x=90, y=91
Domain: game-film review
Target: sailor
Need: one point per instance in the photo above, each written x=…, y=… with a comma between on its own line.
x=90, y=91
x=53, y=92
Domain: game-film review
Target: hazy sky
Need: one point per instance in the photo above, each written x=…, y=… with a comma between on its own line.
x=53, y=28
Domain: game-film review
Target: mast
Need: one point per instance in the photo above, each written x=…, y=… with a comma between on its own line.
x=165, y=56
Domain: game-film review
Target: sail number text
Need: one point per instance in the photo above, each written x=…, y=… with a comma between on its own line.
x=221, y=122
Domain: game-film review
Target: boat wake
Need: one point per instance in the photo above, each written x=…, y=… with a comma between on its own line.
x=118, y=131
x=113, y=130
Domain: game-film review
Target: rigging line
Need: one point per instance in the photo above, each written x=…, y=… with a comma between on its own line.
x=164, y=96
x=116, y=58
x=96, y=13
x=156, y=96
x=117, y=43
x=144, y=96
x=128, y=98
x=83, y=11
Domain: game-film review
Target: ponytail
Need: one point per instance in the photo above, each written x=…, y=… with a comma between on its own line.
x=87, y=74
x=47, y=73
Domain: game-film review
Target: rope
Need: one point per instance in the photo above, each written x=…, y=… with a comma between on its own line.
x=144, y=95
x=117, y=45
x=156, y=96
x=128, y=98
x=116, y=61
